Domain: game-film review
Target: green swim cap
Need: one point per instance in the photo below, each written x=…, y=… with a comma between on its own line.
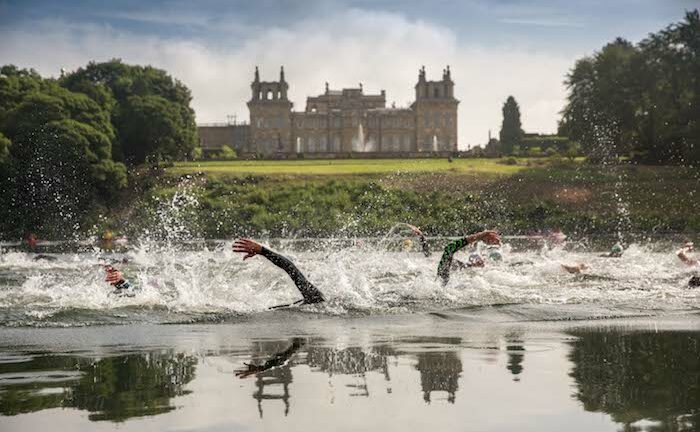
x=616, y=249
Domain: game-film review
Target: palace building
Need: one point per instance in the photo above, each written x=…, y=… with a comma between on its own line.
x=341, y=123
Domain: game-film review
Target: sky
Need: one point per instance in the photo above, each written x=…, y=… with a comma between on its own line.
x=495, y=48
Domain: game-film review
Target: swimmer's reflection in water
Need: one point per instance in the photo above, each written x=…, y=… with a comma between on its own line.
x=277, y=360
x=275, y=372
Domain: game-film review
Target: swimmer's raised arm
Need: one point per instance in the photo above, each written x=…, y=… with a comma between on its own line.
x=310, y=293
x=683, y=254
x=489, y=237
x=574, y=268
x=116, y=278
x=421, y=237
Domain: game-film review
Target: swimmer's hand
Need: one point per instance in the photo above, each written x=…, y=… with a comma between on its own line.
x=575, y=268
x=416, y=231
x=114, y=276
x=248, y=247
x=488, y=237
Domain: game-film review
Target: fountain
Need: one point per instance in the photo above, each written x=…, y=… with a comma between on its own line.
x=358, y=144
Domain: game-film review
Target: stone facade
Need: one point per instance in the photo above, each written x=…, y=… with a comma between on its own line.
x=341, y=123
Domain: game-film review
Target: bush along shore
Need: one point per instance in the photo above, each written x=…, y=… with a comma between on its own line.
x=581, y=199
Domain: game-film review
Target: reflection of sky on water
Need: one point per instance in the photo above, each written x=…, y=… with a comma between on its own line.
x=388, y=374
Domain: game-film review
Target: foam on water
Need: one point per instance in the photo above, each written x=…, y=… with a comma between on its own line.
x=211, y=282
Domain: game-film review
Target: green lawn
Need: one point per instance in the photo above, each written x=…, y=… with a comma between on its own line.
x=348, y=167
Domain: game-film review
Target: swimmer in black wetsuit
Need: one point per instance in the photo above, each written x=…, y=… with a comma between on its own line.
x=446, y=261
x=475, y=259
x=310, y=293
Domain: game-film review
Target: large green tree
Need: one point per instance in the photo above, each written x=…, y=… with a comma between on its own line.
x=55, y=154
x=150, y=110
x=63, y=142
x=511, y=130
x=59, y=164
x=641, y=101
x=602, y=95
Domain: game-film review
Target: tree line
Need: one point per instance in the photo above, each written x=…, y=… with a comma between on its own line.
x=637, y=101
x=66, y=143
x=640, y=101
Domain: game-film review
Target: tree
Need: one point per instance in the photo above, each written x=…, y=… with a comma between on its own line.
x=151, y=128
x=669, y=109
x=5, y=144
x=60, y=161
x=57, y=171
x=601, y=109
x=136, y=96
x=227, y=153
x=511, y=130
x=642, y=101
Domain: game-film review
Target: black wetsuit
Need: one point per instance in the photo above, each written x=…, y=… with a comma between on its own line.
x=454, y=264
x=424, y=245
x=448, y=256
x=694, y=282
x=310, y=293
x=123, y=288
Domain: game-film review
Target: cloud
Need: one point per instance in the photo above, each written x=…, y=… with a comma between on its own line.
x=381, y=50
x=542, y=22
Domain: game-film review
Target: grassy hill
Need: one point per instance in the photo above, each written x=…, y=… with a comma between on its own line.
x=366, y=197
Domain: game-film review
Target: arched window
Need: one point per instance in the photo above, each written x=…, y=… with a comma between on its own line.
x=436, y=92
x=314, y=109
x=268, y=96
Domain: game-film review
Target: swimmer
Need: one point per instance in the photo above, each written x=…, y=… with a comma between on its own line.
x=421, y=237
x=446, y=261
x=694, y=282
x=575, y=268
x=31, y=240
x=615, y=252
x=683, y=252
x=475, y=259
x=495, y=254
x=116, y=279
x=309, y=292
x=556, y=237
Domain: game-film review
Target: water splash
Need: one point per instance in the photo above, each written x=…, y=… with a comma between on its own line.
x=206, y=281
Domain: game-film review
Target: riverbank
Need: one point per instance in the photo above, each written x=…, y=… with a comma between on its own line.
x=360, y=197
